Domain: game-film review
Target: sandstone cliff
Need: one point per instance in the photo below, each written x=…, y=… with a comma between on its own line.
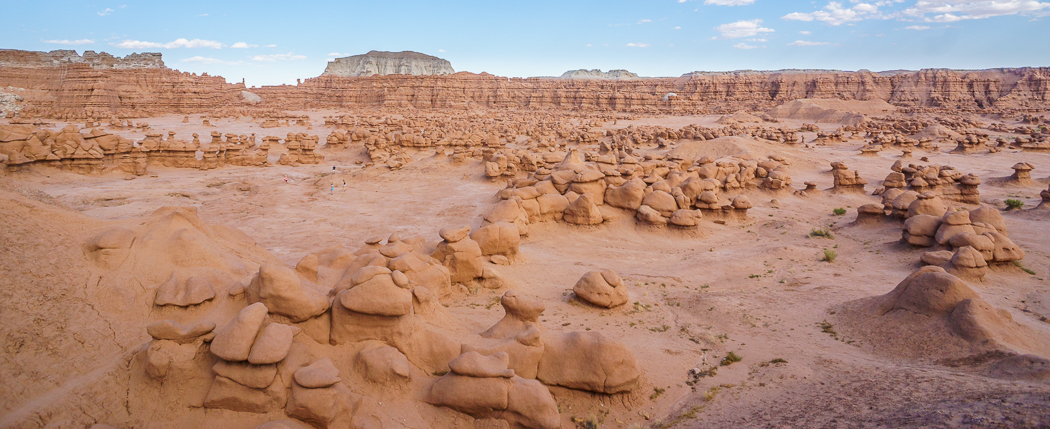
x=62, y=57
x=78, y=90
x=387, y=63
x=598, y=74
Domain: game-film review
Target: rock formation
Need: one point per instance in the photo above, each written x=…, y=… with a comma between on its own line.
x=384, y=63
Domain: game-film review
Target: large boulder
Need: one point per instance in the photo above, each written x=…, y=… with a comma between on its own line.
x=602, y=288
x=283, y=292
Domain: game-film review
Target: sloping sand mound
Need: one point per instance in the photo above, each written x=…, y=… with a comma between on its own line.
x=831, y=111
x=935, y=315
x=719, y=148
x=739, y=118
x=937, y=132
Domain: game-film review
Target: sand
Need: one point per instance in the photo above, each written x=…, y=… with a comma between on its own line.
x=757, y=288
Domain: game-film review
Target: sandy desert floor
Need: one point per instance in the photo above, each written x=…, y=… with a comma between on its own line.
x=757, y=288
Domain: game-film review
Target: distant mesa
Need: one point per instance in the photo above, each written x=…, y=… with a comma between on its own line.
x=386, y=63
x=598, y=74
x=63, y=57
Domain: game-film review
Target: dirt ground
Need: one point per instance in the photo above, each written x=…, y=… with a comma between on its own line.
x=756, y=288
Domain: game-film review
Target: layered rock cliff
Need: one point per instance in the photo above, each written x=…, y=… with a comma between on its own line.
x=78, y=90
x=386, y=63
x=63, y=57
x=598, y=74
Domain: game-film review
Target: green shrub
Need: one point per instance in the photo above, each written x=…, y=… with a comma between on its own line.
x=822, y=233
x=1012, y=204
x=839, y=211
x=830, y=255
x=730, y=359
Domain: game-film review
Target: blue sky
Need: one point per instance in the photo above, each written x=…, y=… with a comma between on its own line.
x=276, y=42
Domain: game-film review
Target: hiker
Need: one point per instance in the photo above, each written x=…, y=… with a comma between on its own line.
x=285, y=178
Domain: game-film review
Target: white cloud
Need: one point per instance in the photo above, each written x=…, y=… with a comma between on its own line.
x=917, y=27
x=271, y=46
x=70, y=42
x=441, y=50
x=807, y=43
x=203, y=14
x=804, y=32
x=206, y=60
x=744, y=46
x=105, y=12
x=589, y=45
x=178, y=43
x=676, y=28
x=728, y=2
x=336, y=54
x=645, y=21
x=958, y=10
x=742, y=29
x=279, y=57
x=242, y=45
x=638, y=45
x=835, y=14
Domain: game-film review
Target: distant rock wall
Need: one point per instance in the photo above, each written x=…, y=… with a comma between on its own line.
x=61, y=57
x=598, y=74
x=387, y=63
x=76, y=89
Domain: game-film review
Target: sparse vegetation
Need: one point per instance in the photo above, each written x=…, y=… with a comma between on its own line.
x=1012, y=204
x=657, y=391
x=1022, y=267
x=730, y=359
x=821, y=233
x=830, y=255
x=663, y=328
x=826, y=327
x=839, y=211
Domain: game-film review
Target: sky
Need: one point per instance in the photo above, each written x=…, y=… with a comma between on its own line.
x=271, y=43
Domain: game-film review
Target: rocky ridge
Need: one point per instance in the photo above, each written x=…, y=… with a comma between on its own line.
x=598, y=74
x=63, y=57
x=386, y=63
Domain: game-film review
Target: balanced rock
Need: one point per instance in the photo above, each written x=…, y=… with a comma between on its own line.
x=233, y=342
x=284, y=293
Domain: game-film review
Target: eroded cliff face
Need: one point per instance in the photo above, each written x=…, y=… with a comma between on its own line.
x=387, y=63
x=63, y=57
x=81, y=91
x=60, y=86
x=598, y=74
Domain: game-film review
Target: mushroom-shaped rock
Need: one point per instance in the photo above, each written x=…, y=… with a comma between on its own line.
x=462, y=258
x=626, y=196
x=453, y=235
x=920, y=230
x=383, y=365
x=602, y=288
x=583, y=211
x=194, y=290
x=1005, y=250
x=174, y=331
x=939, y=257
x=927, y=204
x=321, y=373
x=246, y=374
x=284, y=293
x=967, y=262
x=588, y=361
x=111, y=247
x=686, y=218
x=741, y=202
x=233, y=342
x=522, y=403
x=989, y=216
x=376, y=295
x=500, y=238
x=520, y=312
x=272, y=344
x=649, y=215
x=870, y=213
x=952, y=224
x=474, y=364
x=662, y=202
